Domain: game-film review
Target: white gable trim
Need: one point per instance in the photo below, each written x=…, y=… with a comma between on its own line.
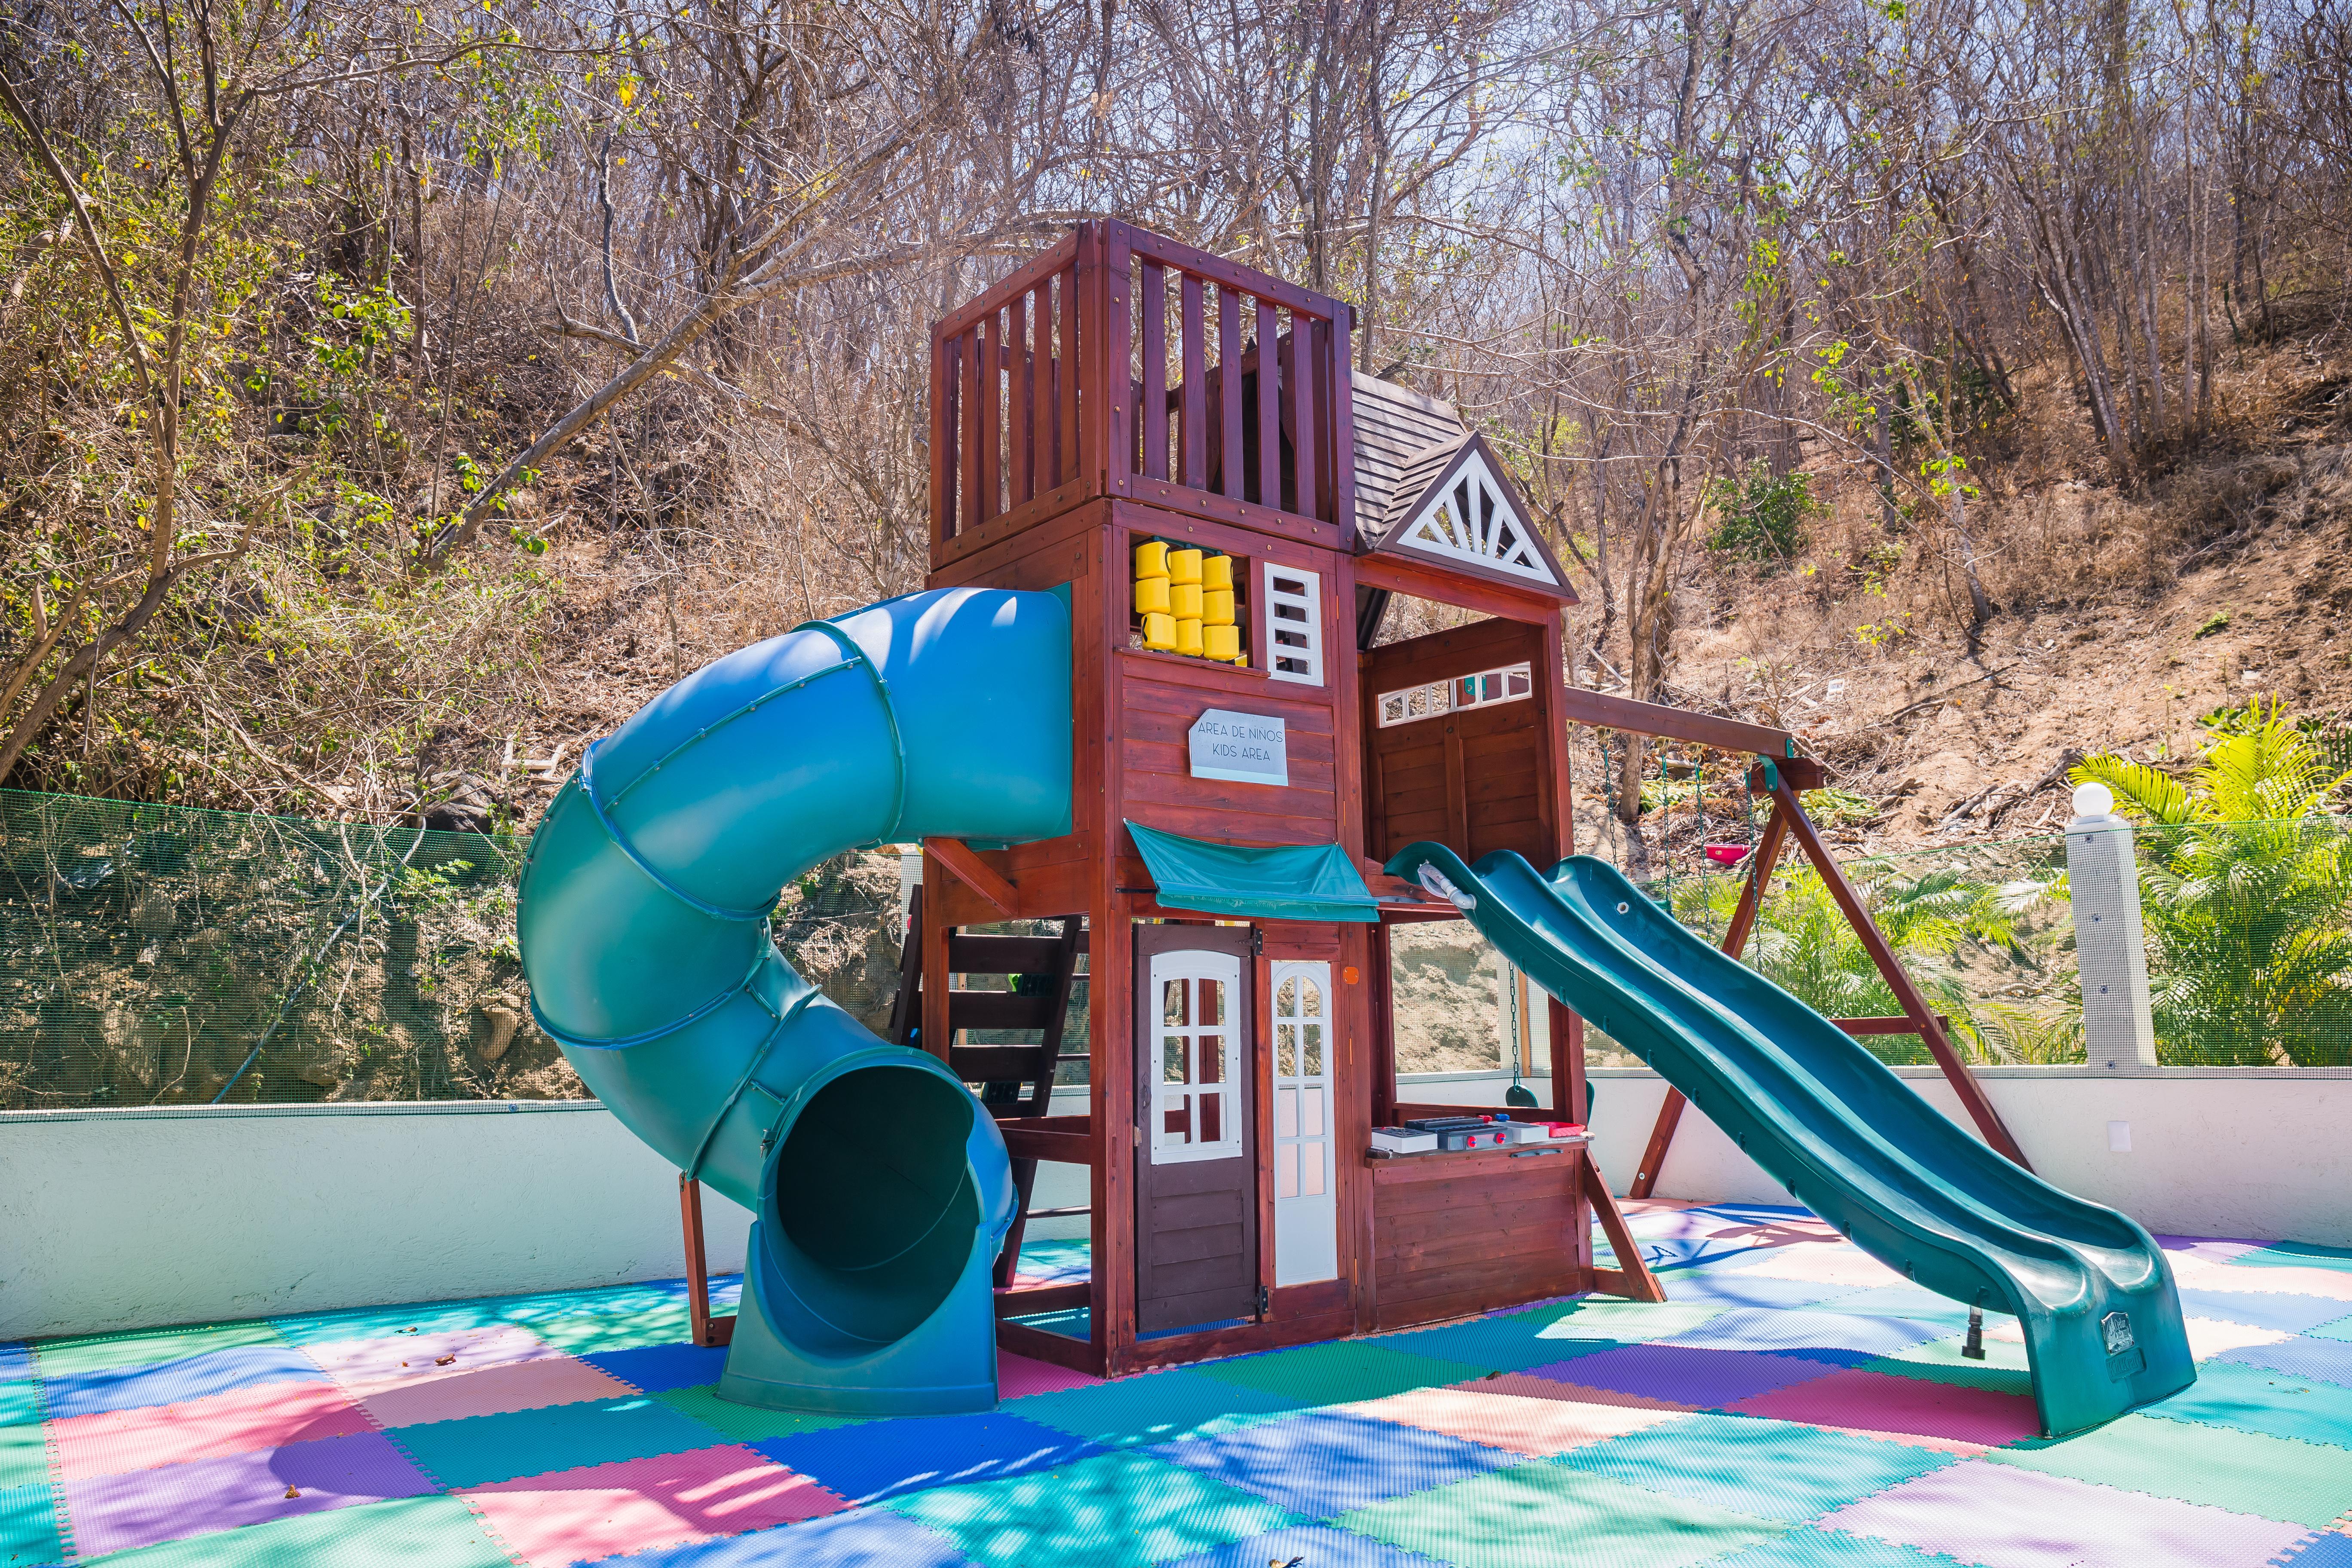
x=1472, y=519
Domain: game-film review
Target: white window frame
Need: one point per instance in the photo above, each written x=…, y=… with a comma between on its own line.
x=1484, y=688
x=1305, y=1224
x=1305, y=652
x=1439, y=527
x=1195, y=964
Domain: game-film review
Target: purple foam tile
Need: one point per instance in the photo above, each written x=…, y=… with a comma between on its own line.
x=1804, y=1331
x=114, y=1513
x=2004, y=1517
x=1682, y=1374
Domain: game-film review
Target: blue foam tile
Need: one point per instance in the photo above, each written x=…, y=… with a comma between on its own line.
x=2262, y=1309
x=1913, y=1302
x=1324, y=1463
x=1806, y=1332
x=15, y=1361
x=912, y=1454
x=861, y=1537
x=20, y=1403
x=2329, y=1361
x=2326, y=1549
x=176, y=1382
x=656, y=1369
x=1309, y=1545
x=1734, y=1289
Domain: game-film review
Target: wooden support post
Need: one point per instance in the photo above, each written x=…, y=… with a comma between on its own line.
x=1631, y=1278
x=1915, y=1007
x=706, y=1329
x=960, y=861
x=1735, y=940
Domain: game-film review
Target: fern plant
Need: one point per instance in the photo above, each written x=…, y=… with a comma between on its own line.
x=2246, y=896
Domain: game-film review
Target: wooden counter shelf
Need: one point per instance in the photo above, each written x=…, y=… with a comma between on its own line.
x=1388, y=1167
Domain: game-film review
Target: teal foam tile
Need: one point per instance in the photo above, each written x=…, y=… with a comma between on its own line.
x=484, y=1449
x=1157, y=1407
x=1768, y=1469
x=1544, y=1516
x=2255, y=1399
x=29, y=1526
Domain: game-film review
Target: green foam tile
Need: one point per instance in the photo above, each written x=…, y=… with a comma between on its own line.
x=1770, y=1469
x=588, y=1333
x=2341, y=1328
x=745, y=1422
x=1157, y=1407
x=20, y=1404
x=1632, y=1321
x=481, y=1449
x=2245, y=1472
x=1115, y=1510
x=1339, y=1373
x=29, y=1526
x=1546, y=1516
x=2256, y=1399
x=98, y=1352
x=24, y=1458
x=410, y=1533
x=2003, y=1369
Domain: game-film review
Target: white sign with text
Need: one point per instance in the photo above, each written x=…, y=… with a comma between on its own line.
x=1247, y=748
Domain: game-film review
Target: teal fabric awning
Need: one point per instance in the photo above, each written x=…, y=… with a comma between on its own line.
x=1295, y=882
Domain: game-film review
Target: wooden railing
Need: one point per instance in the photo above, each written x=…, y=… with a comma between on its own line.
x=1029, y=417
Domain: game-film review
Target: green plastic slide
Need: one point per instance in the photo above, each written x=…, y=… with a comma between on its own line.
x=1848, y=1138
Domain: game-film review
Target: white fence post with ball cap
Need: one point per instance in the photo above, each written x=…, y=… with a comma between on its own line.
x=2110, y=947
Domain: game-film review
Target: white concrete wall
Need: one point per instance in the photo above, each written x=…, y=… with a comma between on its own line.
x=2233, y=1151
x=131, y=1219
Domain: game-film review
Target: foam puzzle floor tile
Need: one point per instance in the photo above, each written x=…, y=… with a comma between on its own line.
x=1511, y=1343
x=2325, y=1549
x=1873, y=1401
x=2245, y=1472
x=113, y=1441
x=1535, y=1428
x=859, y=1538
x=1319, y=1544
x=1545, y=1515
x=1124, y=1510
x=366, y=1367
x=745, y=1422
x=656, y=1369
x=16, y=1361
x=114, y=1513
x=486, y=1449
x=1323, y=1464
x=2324, y=1284
x=2255, y=1399
x=24, y=1457
x=1684, y=1375
x=886, y=1458
x=28, y=1525
x=2296, y=1254
x=410, y=1533
x=1018, y=1377
x=1528, y=1386
x=123, y=1388
x=100, y=1353
x=2260, y=1309
x=601, y=1511
x=1798, y=1330
x=1765, y=1468
x=20, y=1403
x=1158, y=1407
x=2210, y=1337
x=1850, y=1267
x=493, y=1391
x=2328, y=1360
x=1340, y=1373
x=1806, y=1547
x=2004, y=1517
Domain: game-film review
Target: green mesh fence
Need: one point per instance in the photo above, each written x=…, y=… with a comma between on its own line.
x=2248, y=928
x=158, y=955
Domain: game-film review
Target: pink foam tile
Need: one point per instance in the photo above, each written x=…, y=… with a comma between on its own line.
x=365, y=1367
x=1019, y=1374
x=493, y=1391
x=241, y=1421
x=2212, y=1337
x=2333, y=1284
x=1537, y=1427
x=1526, y=1385
x=634, y=1505
x=1825, y=1266
x=1875, y=1402
x=2005, y=1517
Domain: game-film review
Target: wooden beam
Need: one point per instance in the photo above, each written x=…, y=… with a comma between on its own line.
x=1631, y=1278
x=1915, y=1007
x=1402, y=574
x=703, y=1329
x=1597, y=708
x=1020, y=1300
x=960, y=861
x=1061, y=1148
x=1735, y=942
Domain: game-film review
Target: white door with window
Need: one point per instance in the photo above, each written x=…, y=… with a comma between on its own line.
x=1305, y=1197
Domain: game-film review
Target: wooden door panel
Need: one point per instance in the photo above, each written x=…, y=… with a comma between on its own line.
x=1196, y=1210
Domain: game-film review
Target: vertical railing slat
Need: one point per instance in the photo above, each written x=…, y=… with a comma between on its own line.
x=991, y=347
x=1066, y=370
x=1041, y=388
x=1269, y=409
x=1019, y=372
x=944, y=379
x=967, y=355
x=1153, y=385
x=1192, y=448
x=1229, y=391
x=1306, y=443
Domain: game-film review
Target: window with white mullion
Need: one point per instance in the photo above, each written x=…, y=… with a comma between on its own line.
x=1305, y=1204
x=1193, y=1103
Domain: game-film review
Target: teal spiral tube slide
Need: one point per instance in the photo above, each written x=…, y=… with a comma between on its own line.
x=879, y=1187
x=2090, y=1289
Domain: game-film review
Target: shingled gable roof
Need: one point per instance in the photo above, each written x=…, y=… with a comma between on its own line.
x=1393, y=427
x=1454, y=506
